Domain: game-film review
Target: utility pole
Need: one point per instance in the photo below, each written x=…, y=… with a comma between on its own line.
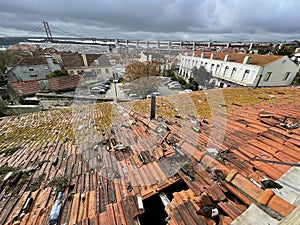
x=114, y=76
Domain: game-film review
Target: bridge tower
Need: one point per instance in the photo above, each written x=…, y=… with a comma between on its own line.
x=48, y=31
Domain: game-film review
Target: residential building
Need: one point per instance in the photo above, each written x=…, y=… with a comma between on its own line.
x=156, y=57
x=242, y=69
x=33, y=68
x=91, y=66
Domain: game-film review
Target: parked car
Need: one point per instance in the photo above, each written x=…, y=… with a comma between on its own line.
x=107, y=82
x=173, y=83
x=98, y=90
x=102, y=85
x=175, y=86
x=135, y=96
x=188, y=91
x=127, y=90
x=156, y=93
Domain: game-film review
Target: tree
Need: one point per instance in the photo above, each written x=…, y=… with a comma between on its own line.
x=201, y=76
x=138, y=70
x=9, y=58
x=58, y=73
x=145, y=85
x=170, y=73
x=192, y=84
x=297, y=79
x=2, y=106
x=284, y=50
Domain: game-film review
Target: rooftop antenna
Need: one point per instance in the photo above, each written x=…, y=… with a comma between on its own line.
x=48, y=31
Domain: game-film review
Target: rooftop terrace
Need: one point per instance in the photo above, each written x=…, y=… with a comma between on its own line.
x=103, y=157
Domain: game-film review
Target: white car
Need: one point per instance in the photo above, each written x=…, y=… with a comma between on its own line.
x=173, y=83
x=175, y=86
x=187, y=91
x=156, y=93
x=97, y=90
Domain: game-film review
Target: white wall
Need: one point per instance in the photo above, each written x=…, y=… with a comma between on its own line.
x=243, y=74
x=278, y=70
x=231, y=71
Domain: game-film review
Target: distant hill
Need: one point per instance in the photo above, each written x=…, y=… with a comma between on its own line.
x=6, y=41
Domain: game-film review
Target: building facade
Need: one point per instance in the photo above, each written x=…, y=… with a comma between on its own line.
x=164, y=62
x=90, y=66
x=33, y=68
x=242, y=69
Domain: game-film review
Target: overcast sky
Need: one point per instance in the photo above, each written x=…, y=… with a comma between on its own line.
x=154, y=19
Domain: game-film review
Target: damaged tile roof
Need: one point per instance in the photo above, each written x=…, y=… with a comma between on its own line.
x=100, y=61
x=71, y=60
x=63, y=83
x=29, y=61
x=104, y=157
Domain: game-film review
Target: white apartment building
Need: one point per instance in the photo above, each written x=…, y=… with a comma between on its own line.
x=242, y=69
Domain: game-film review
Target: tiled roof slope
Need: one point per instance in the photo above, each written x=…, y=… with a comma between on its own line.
x=91, y=58
x=28, y=88
x=71, y=145
x=256, y=59
x=28, y=61
x=102, y=61
x=71, y=60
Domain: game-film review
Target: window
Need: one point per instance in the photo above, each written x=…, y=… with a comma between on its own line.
x=233, y=72
x=99, y=71
x=245, y=75
x=267, y=77
x=71, y=72
x=286, y=75
x=283, y=61
x=31, y=69
x=106, y=70
x=211, y=68
x=217, y=68
x=225, y=70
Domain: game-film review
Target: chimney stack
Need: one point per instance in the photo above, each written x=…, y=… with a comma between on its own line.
x=153, y=105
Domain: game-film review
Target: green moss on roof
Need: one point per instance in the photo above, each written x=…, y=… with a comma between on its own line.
x=44, y=128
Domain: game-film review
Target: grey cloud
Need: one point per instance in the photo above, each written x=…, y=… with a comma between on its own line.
x=168, y=19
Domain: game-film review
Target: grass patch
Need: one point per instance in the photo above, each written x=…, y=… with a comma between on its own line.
x=36, y=183
x=59, y=183
x=6, y=169
x=10, y=151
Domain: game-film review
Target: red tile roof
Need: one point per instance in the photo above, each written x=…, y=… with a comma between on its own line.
x=250, y=135
x=28, y=88
x=256, y=59
x=71, y=60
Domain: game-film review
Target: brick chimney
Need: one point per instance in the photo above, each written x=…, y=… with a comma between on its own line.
x=153, y=106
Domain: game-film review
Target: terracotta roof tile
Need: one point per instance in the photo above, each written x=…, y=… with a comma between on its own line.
x=71, y=60
x=28, y=88
x=30, y=61
x=269, y=198
x=247, y=139
x=256, y=59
